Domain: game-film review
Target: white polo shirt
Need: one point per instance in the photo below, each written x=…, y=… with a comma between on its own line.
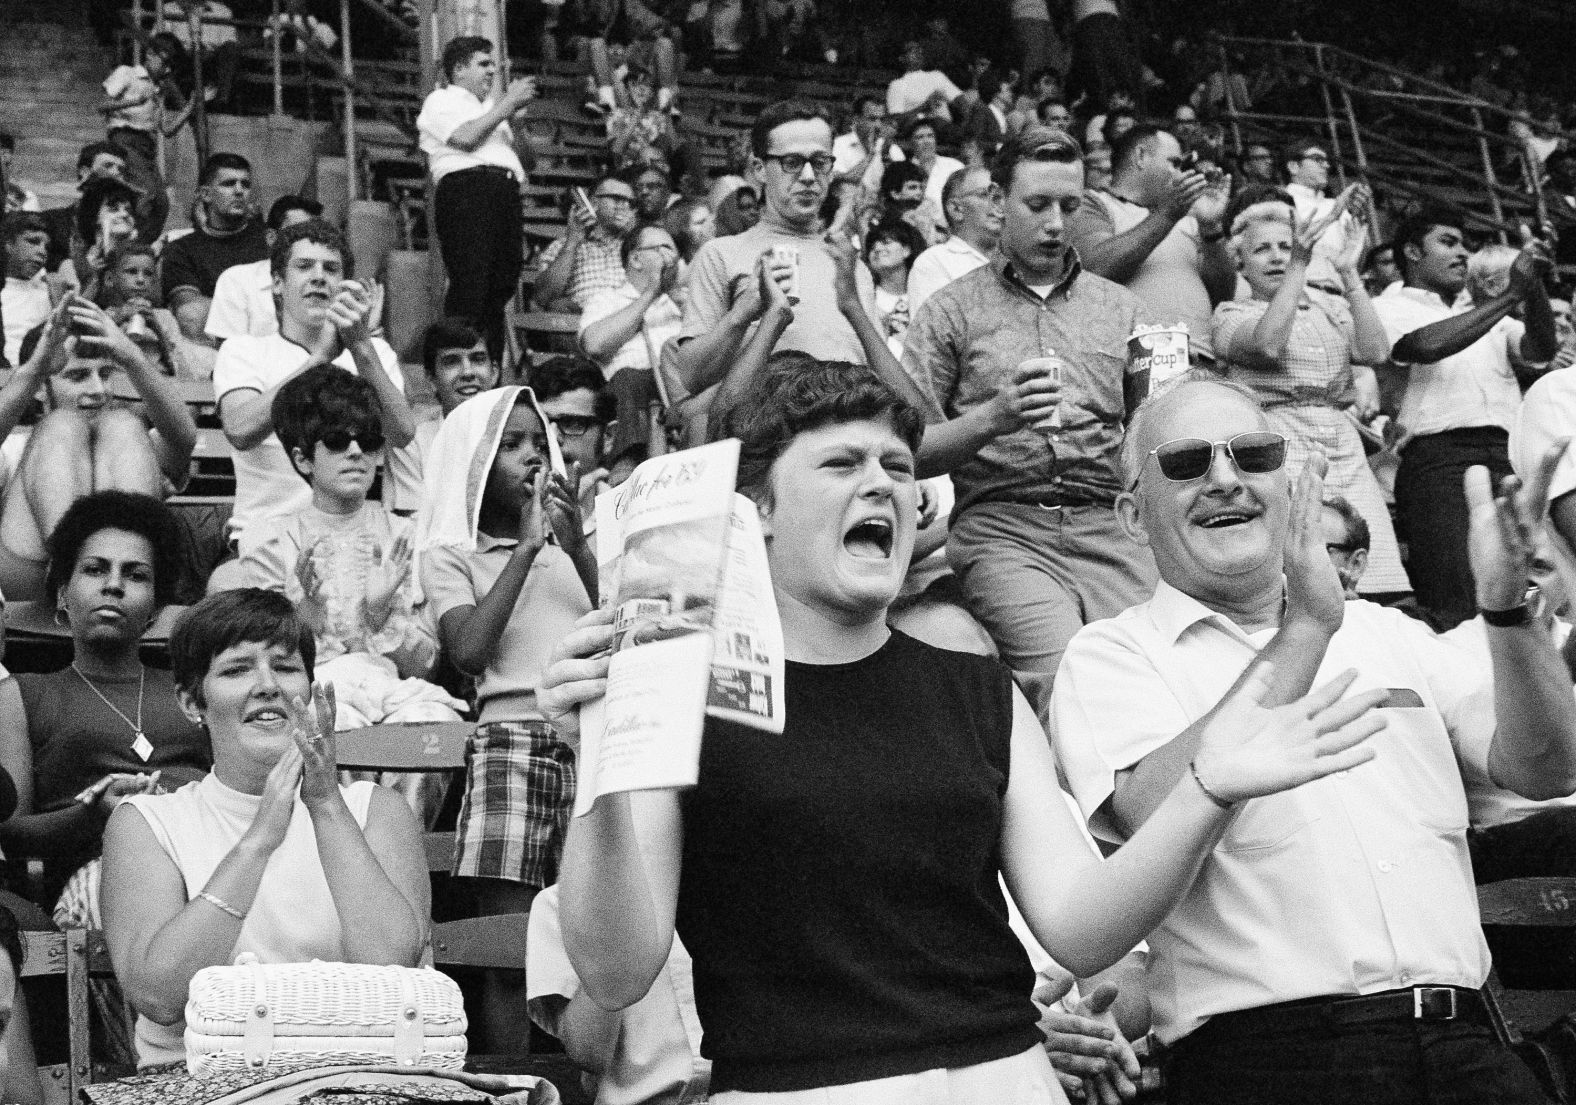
x=1475, y=387
x=848, y=151
x=939, y=266
x=911, y=90
x=243, y=302
x=1354, y=884
x=266, y=483
x=663, y=320
x=445, y=111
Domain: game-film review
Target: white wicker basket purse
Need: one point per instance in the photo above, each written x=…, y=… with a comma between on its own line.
x=254, y=1015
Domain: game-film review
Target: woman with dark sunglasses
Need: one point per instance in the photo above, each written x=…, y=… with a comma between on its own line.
x=1305, y=354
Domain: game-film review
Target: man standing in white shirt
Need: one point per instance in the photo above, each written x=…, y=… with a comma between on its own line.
x=974, y=207
x=1330, y=949
x=920, y=92
x=323, y=319
x=243, y=296
x=477, y=175
x=1458, y=372
x=869, y=136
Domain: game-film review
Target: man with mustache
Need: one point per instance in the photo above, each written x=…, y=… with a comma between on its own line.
x=1331, y=949
x=1458, y=370
x=1023, y=366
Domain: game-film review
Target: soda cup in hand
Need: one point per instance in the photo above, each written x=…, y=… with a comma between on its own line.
x=1050, y=367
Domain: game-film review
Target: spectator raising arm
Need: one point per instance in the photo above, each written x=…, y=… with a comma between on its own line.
x=1118, y=257
x=553, y=284
x=1450, y=336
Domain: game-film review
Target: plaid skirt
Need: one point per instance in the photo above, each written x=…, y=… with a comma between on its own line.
x=519, y=793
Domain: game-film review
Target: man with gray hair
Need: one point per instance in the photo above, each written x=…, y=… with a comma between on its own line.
x=1330, y=949
x=1022, y=363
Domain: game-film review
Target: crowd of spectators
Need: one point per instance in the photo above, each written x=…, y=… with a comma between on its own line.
x=1279, y=637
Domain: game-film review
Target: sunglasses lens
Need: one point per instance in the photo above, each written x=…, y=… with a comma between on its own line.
x=1259, y=453
x=335, y=441
x=1184, y=459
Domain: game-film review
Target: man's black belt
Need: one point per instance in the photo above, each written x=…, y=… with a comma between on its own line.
x=1428, y=1004
x=498, y=169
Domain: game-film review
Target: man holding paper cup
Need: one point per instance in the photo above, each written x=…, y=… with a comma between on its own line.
x=1023, y=362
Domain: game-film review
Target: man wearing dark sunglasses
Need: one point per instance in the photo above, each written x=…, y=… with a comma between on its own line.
x=1331, y=948
x=791, y=148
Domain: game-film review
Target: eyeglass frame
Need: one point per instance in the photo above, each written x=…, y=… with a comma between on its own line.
x=1213, y=447
x=782, y=159
x=588, y=423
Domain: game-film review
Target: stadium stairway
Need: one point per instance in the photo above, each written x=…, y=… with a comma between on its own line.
x=50, y=69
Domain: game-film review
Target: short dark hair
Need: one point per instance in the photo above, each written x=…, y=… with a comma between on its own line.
x=627, y=246
x=244, y=616
x=1415, y=227
x=1356, y=525
x=899, y=231
x=867, y=98
x=775, y=115
x=286, y=204
x=562, y=374
x=460, y=50
x=899, y=173
x=447, y=333
x=95, y=195
x=321, y=231
x=794, y=394
x=1036, y=142
x=323, y=398
x=912, y=127
x=989, y=83
x=1293, y=151
x=131, y=511
x=129, y=249
x=1126, y=148
x=18, y=223
x=222, y=160
x=90, y=153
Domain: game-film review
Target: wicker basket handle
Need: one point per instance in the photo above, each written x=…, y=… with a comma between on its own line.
x=409, y=1024
x=257, y=1037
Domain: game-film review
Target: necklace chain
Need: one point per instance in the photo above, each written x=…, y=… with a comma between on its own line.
x=142, y=676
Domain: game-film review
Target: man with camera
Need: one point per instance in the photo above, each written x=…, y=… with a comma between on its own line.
x=1157, y=230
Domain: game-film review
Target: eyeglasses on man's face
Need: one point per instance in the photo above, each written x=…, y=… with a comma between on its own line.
x=793, y=163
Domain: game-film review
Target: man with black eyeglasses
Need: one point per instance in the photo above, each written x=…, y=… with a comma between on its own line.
x=791, y=154
x=586, y=259
x=1027, y=387
x=1330, y=949
x=1308, y=180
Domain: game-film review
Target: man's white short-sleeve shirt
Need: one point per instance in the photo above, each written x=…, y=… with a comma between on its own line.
x=266, y=483
x=1475, y=387
x=243, y=303
x=445, y=111
x=663, y=320
x=1354, y=884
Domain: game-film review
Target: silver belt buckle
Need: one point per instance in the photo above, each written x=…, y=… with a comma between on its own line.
x=1434, y=1003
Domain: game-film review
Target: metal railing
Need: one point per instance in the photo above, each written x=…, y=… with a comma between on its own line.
x=1399, y=131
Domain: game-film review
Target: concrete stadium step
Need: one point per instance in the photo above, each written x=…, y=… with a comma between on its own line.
x=50, y=69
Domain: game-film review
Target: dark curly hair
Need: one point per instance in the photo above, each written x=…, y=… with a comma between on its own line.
x=321, y=399
x=321, y=232
x=795, y=394
x=131, y=511
x=247, y=615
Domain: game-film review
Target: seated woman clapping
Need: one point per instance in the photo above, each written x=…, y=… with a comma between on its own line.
x=268, y=854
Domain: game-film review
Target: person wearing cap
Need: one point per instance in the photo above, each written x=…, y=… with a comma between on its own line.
x=1032, y=457
x=476, y=177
